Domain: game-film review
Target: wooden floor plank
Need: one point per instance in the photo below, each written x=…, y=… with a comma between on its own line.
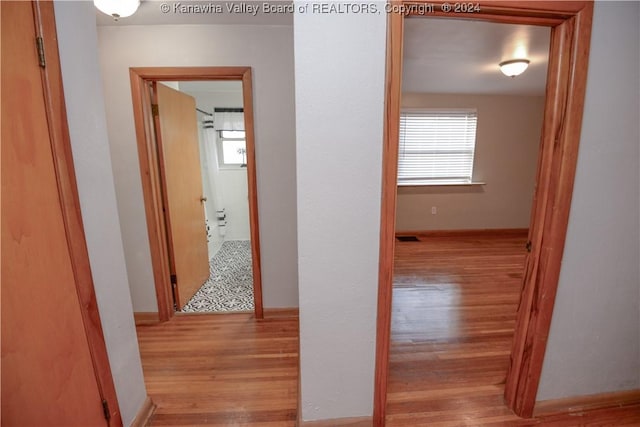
x=225, y=370
x=453, y=318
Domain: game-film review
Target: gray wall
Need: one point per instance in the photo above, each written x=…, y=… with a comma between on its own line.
x=594, y=343
x=269, y=50
x=339, y=67
x=77, y=40
x=507, y=144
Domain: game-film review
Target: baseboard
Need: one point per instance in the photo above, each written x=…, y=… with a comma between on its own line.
x=339, y=422
x=144, y=414
x=299, y=417
x=270, y=313
x=213, y=313
x=146, y=318
x=471, y=232
x=281, y=312
x=587, y=403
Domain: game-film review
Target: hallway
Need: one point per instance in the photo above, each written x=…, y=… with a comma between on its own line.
x=453, y=318
x=222, y=369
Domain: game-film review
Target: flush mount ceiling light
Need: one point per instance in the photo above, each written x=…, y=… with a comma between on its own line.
x=117, y=8
x=514, y=67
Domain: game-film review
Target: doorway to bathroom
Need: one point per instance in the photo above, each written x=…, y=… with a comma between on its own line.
x=223, y=166
x=197, y=154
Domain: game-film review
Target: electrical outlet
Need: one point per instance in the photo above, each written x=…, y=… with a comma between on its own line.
x=434, y=210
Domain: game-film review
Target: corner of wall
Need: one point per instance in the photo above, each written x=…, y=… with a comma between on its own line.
x=77, y=41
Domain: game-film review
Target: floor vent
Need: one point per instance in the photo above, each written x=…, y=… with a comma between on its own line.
x=407, y=239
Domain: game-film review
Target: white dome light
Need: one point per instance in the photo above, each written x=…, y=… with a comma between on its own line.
x=514, y=67
x=117, y=8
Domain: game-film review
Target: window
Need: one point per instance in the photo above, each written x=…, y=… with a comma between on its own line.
x=233, y=148
x=436, y=147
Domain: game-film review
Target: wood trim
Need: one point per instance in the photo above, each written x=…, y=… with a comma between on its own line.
x=531, y=8
x=269, y=313
x=587, y=403
x=299, y=390
x=150, y=174
x=566, y=81
x=152, y=193
x=339, y=422
x=299, y=407
x=247, y=103
x=566, y=84
x=393, y=89
x=470, y=232
x=56, y=111
x=213, y=313
x=272, y=313
x=537, y=12
x=146, y=318
x=190, y=73
x=143, y=417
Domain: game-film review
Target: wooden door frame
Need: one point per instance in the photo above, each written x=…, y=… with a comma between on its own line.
x=570, y=23
x=152, y=184
x=56, y=112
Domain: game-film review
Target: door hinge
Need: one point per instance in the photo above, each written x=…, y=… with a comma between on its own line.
x=40, y=47
x=528, y=246
x=174, y=286
x=154, y=109
x=105, y=408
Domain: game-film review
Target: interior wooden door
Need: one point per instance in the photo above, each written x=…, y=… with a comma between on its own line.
x=49, y=374
x=180, y=167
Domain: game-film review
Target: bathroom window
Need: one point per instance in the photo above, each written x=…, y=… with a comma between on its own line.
x=232, y=148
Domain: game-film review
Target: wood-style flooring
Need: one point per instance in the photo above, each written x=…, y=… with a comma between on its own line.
x=453, y=319
x=222, y=369
x=454, y=308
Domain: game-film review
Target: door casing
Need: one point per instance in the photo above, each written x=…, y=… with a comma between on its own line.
x=151, y=180
x=570, y=23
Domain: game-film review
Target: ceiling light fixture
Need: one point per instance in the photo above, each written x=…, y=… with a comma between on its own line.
x=117, y=8
x=514, y=67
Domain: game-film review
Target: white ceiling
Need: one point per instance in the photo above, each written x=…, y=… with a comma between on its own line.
x=151, y=12
x=457, y=56
x=440, y=55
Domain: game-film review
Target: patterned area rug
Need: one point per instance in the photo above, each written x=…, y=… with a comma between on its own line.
x=230, y=283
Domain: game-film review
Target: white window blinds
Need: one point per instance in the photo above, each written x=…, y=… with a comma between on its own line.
x=436, y=147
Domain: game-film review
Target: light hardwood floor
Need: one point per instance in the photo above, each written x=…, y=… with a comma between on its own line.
x=454, y=307
x=222, y=369
x=453, y=318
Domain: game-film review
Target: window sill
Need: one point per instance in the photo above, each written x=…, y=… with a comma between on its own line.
x=451, y=184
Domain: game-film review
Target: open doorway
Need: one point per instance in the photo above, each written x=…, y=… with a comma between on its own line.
x=225, y=197
x=570, y=24
x=189, y=135
x=468, y=149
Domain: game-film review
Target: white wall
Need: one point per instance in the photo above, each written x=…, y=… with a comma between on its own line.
x=594, y=342
x=232, y=182
x=214, y=239
x=268, y=50
x=507, y=144
x=77, y=40
x=339, y=67
x=235, y=196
